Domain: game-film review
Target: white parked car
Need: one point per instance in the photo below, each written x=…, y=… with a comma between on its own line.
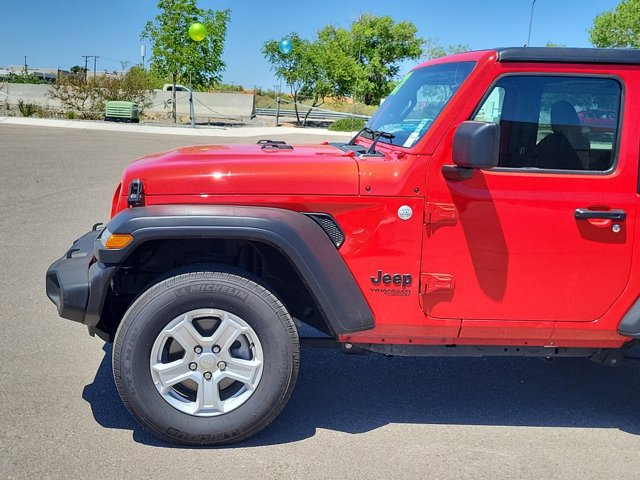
x=168, y=87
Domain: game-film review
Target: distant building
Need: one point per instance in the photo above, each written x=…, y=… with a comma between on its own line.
x=47, y=74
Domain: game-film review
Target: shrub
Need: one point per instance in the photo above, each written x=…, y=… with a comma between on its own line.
x=27, y=109
x=24, y=77
x=74, y=93
x=226, y=87
x=89, y=97
x=134, y=86
x=350, y=124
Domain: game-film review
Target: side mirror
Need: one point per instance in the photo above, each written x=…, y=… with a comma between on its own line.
x=475, y=145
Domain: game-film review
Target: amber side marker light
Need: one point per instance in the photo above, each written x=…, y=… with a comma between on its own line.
x=118, y=240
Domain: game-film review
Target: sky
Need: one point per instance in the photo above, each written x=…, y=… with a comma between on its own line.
x=56, y=33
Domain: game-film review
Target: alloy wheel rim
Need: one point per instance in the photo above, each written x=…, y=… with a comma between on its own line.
x=206, y=362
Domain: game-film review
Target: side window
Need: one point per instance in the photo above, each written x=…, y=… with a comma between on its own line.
x=492, y=107
x=555, y=122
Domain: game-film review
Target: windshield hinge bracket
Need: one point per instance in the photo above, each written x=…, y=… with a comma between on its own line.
x=436, y=282
x=440, y=213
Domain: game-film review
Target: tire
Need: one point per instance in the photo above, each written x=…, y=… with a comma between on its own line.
x=206, y=358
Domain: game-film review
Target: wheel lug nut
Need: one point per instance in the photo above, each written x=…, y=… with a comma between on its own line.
x=198, y=349
x=207, y=375
x=193, y=366
x=222, y=365
x=215, y=349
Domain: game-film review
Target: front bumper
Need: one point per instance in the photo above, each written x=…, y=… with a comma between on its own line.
x=77, y=283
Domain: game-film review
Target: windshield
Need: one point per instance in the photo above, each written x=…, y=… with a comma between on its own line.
x=415, y=103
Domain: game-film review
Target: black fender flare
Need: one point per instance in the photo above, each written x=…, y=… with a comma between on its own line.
x=299, y=238
x=630, y=324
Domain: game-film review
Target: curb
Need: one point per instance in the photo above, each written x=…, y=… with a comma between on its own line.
x=237, y=132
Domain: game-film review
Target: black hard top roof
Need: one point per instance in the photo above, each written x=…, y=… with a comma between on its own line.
x=619, y=56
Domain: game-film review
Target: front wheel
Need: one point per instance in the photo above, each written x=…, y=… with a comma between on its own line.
x=206, y=358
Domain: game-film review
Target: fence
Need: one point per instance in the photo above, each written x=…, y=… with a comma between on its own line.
x=314, y=115
x=206, y=105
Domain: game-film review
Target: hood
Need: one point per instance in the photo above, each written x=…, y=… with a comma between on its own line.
x=246, y=169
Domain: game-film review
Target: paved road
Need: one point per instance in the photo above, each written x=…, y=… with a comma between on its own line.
x=350, y=417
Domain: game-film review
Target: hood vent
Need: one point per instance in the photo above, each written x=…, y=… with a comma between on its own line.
x=274, y=145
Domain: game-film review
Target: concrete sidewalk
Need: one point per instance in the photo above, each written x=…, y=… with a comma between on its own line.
x=178, y=130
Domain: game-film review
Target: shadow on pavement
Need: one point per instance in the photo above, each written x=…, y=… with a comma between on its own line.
x=356, y=394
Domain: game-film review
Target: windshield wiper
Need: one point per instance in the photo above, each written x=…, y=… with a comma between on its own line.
x=377, y=135
x=362, y=130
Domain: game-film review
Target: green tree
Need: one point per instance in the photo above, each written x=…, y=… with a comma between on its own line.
x=617, y=28
x=318, y=83
x=77, y=69
x=312, y=71
x=433, y=48
x=293, y=68
x=458, y=48
x=551, y=44
x=377, y=45
x=174, y=54
x=340, y=64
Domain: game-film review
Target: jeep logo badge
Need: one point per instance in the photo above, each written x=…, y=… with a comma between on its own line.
x=396, y=279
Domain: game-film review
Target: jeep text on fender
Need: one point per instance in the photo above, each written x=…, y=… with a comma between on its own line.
x=482, y=211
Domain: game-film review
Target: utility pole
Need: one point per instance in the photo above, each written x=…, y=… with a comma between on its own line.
x=86, y=64
x=25, y=65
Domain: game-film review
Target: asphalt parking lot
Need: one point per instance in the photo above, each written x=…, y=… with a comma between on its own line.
x=350, y=417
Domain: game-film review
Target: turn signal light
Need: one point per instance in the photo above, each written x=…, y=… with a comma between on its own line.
x=118, y=240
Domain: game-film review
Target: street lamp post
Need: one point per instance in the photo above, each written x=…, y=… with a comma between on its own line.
x=197, y=32
x=278, y=91
x=192, y=110
x=530, y=23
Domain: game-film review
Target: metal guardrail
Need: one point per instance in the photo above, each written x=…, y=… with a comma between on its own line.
x=314, y=115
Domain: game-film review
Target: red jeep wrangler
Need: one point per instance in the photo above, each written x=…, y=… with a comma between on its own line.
x=474, y=215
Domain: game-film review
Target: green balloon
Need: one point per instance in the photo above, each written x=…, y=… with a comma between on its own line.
x=197, y=32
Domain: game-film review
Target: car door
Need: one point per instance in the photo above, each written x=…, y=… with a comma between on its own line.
x=548, y=234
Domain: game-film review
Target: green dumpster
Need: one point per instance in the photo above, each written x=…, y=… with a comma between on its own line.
x=119, y=111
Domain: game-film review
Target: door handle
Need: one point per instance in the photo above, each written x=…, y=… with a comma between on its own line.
x=587, y=214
